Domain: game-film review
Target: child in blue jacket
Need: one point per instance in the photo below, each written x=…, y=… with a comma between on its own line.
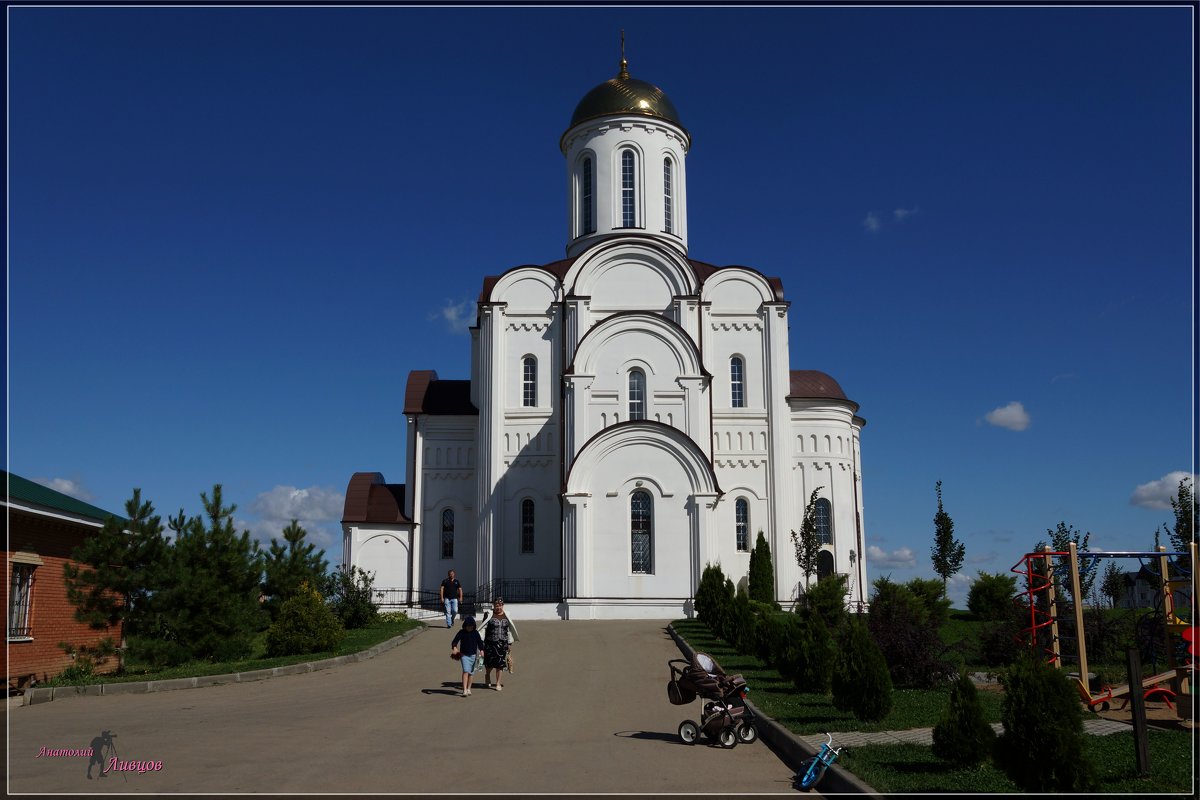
x=467, y=646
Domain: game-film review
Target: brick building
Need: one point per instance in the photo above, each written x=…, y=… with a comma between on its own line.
x=44, y=527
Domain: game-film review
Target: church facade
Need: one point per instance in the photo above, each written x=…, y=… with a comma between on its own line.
x=630, y=416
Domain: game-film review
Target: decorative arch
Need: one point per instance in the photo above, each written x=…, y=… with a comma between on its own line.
x=701, y=477
x=737, y=289
x=528, y=289
x=659, y=265
x=632, y=325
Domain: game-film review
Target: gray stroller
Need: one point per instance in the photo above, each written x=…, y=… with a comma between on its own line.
x=725, y=717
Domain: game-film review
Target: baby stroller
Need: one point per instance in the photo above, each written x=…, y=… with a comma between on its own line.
x=725, y=719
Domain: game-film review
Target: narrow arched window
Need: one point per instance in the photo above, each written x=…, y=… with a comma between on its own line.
x=824, y=564
x=641, y=524
x=668, y=199
x=741, y=516
x=527, y=526
x=628, y=189
x=448, y=533
x=529, y=382
x=587, y=223
x=737, y=382
x=637, y=394
x=823, y=514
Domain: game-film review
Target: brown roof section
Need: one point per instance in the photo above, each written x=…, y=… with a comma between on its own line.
x=369, y=499
x=814, y=384
x=426, y=394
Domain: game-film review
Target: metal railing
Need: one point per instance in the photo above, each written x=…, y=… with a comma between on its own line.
x=389, y=599
x=522, y=590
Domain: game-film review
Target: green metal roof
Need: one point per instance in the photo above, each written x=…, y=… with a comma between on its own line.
x=26, y=490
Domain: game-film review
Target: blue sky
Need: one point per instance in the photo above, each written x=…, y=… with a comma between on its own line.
x=233, y=231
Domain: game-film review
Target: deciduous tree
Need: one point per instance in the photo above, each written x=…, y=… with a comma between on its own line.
x=808, y=546
x=947, y=552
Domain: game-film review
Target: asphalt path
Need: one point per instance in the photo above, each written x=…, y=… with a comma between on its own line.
x=585, y=712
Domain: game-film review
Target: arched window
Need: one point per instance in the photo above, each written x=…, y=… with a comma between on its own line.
x=526, y=526
x=824, y=519
x=741, y=515
x=824, y=564
x=641, y=524
x=587, y=222
x=628, y=189
x=448, y=533
x=737, y=382
x=529, y=382
x=668, y=200
x=637, y=394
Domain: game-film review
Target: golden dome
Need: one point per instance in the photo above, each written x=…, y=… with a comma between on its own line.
x=625, y=95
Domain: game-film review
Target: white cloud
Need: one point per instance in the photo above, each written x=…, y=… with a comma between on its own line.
x=67, y=487
x=456, y=316
x=871, y=223
x=901, y=559
x=901, y=214
x=1158, y=494
x=1012, y=416
x=318, y=510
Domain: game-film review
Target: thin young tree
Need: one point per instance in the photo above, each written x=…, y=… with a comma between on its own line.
x=1060, y=538
x=806, y=542
x=947, y=552
x=1113, y=585
x=1183, y=504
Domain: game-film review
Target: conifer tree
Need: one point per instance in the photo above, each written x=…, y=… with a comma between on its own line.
x=116, y=571
x=209, y=602
x=288, y=565
x=947, y=552
x=860, y=680
x=762, y=574
x=963, y=734
x=808, y=546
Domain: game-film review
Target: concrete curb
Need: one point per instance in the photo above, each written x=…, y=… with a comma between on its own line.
x=49, y=693
x=790, y=748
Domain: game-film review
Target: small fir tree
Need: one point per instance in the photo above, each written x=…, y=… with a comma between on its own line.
x=947, y=552
x=1041, y=748
x=827, y=599
x=762, y=573
x=806, y=541
x=860, y=679
x=290, y=564
x=112, y=583
x=963, y=735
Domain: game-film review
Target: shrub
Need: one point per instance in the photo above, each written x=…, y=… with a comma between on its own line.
x=860, y=679
x=393, y=617
x=931, y=593
x=762, y=574
x=827, y=599
x=81, y=670
x=963, y=735
x=814, y=653
x=991, y=596
x=900, y=625
x=1000, y=642
x=770, y=636
x=742, y=624
x=709, y=595
x=305, y=625
x=348, y=592
x=1041, y=748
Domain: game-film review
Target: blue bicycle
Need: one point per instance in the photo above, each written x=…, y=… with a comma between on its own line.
x=814, y=768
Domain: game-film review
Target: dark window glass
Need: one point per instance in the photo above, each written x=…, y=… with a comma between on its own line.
x=19, y=597
x=668, y=200
x=824, y=564
x=628, y=198
x=526, y=526
x=529, y=382
x=637, y=394
x=741, y=513
x=588, y=224
x=641, y=530
x=448, y=533
x=824, y=520
x=737, y=382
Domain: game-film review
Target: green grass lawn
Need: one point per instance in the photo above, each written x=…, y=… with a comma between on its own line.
x=356, y=640
x=914, y=768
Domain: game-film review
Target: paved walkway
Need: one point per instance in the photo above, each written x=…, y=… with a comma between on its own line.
x=586, y=712
x=1096, y=727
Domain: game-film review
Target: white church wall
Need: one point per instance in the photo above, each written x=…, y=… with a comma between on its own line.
x=448, y=480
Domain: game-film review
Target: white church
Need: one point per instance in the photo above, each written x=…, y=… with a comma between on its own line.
x=630, y=416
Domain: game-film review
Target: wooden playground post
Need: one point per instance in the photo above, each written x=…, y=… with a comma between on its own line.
x=1141, y=745
x=1052, y=607
x=1075, y=593
x=1168, y=606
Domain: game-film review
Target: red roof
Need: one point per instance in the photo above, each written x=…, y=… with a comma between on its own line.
x=813, y=384
x=369, y=499
x=426, y=394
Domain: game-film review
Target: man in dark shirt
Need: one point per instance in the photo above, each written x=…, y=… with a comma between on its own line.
x=451, y=595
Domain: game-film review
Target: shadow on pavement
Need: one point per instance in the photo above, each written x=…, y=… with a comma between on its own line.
x=451, y=688
x=655, y=736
